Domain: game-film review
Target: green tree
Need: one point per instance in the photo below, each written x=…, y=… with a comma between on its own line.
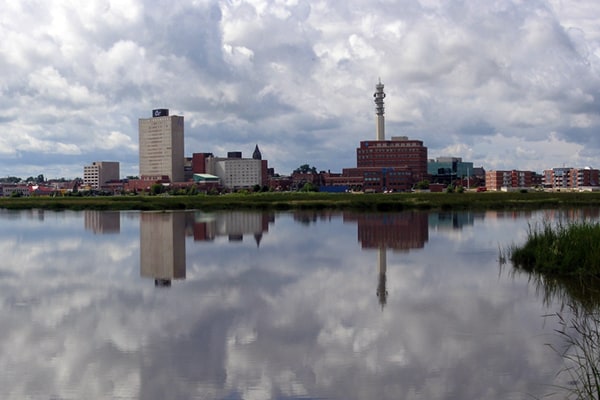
x=306, y=169
x=156, y=188
x=10, y=179
x=424, y=184
x=309, y=187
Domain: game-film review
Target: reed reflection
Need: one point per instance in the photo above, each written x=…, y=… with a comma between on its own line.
x=162, y=247
x=578, y=332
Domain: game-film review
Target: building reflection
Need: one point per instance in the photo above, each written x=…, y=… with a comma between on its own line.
x=451, y=220
x=397, y=231
x=162, y=247
x=583, y=213
x=102, y=221
x=233, y=225
x=307, y=217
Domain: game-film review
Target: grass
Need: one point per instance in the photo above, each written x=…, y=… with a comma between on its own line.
x=297, y=200
x=570, y=250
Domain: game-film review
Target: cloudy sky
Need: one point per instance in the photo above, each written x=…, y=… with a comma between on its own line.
x=504, y=84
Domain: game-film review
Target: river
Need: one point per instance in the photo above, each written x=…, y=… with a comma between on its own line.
x=304, y=305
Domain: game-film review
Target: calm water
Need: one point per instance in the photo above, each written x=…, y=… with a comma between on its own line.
x=270, y=306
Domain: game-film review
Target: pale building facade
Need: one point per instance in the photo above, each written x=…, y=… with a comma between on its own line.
x=100, y=172
x=161, y=142
x=236, y=173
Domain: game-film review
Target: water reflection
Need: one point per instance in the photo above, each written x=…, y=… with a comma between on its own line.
x=162, y=237
x=102, y=221
x=398, y=231
x=233, y=225
x=382, y=231
x=288, y=312
x=453, y=219
x=578, y=317
x=580, y=331
x=162, y=247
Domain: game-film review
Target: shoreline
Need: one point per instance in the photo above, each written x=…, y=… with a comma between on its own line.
x=314, y=201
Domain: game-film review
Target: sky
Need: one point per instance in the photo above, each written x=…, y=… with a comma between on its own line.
x=503, y=84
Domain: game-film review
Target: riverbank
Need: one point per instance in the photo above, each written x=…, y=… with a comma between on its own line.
x=297, y=200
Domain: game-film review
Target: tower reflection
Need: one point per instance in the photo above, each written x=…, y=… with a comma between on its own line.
x=162, y=247
x=396, y=231
x=382, y=292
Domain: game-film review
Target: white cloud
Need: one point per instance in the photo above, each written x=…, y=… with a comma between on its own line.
x=270, y=72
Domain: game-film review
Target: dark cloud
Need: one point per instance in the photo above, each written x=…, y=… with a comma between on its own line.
x=478, y=128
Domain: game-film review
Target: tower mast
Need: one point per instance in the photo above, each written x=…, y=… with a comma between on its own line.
x=379, y=95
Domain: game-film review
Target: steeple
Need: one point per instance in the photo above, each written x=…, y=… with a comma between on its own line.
x=256, y=155
x=379, y=95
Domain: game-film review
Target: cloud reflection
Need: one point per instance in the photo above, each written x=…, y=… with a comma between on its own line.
x=296, y=317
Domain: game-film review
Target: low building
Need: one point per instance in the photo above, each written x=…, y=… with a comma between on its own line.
x=99, y=173
x=144, y=184
x=570, y=178
x=15, y=189
x=384, y=166
x=448, y=169
x=508, y=180
x=237, y=173
x=234, y=171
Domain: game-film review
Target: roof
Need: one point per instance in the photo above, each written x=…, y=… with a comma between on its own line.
x=205, y=177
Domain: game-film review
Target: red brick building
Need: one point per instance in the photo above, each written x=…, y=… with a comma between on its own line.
x=389, y=165
x=384, y=165
x=570, y=178
x=496, y=180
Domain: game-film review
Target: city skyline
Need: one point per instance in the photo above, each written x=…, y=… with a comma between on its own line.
x=506, y=85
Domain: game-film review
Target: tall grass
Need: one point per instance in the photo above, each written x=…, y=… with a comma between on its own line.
x=565, y=249
x=581, y=352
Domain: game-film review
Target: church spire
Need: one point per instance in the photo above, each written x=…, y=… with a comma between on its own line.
x=256, y=155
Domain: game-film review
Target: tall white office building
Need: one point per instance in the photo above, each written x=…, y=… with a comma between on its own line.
x=161, y=146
